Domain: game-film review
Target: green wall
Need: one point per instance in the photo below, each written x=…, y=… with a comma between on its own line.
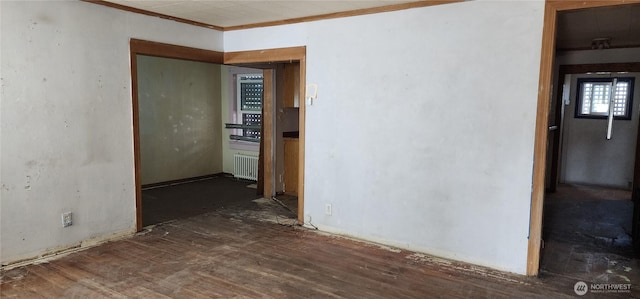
x=180, y=125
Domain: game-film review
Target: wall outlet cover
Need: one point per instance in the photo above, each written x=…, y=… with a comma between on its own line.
x=328, y=209
x=67, y=219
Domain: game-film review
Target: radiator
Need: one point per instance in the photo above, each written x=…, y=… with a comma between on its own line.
x=245, y=167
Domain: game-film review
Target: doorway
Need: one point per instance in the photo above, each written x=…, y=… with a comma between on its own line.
x=552, y=10
x=283, y=58
x=141, y=48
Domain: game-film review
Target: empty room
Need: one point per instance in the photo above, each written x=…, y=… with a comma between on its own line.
x=345, y=149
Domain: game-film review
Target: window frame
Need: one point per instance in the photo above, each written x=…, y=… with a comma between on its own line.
x=231, y=99
x=629, y=104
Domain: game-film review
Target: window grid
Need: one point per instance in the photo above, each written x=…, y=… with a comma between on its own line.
x=620, y=105
x=595, y=97
x=251, y=96
x=251, y=119
x=249, y=109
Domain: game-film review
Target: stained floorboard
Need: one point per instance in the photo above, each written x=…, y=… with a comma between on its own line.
x=218, y=255
x=235, y=248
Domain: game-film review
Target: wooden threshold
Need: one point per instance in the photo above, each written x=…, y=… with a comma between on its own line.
x=542, y=119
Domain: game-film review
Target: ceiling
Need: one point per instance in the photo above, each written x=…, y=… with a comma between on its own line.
x=620, y=23
x=576, y=28
x=230, y=13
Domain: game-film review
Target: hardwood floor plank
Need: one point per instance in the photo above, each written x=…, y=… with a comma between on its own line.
x=218, y=255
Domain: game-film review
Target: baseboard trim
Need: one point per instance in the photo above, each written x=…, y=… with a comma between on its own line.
x=62, y=251
x=185, y=180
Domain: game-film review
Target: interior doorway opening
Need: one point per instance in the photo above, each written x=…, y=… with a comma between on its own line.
x=173, y=180
x=590, y=220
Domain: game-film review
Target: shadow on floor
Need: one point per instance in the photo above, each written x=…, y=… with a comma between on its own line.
x=217, y=194
x=587, y=236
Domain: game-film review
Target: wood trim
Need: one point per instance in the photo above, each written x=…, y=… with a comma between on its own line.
x=344, y=14
x=351, y=13
x=153, y=14
x=150, y=48
x=136, y=137
x=540, y=143
x=599, y=67
x=560, y=5
x=260, y=183
x=142, y=47
x=301, y=135
x=264, y=56
x=589, y=48
x=268, y=128
x=542, y=117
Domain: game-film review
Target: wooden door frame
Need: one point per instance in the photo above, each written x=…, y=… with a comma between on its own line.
x=552, y=7
x=149, y=48
x=291, y=54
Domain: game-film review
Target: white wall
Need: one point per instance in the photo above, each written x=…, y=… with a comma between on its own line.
x=587, y=156
x=422, y=134
x=578, y=175
x=67, y=142
x=180, y=119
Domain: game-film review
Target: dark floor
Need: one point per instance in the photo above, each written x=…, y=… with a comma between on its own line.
x=587, y=236
x=161, y=204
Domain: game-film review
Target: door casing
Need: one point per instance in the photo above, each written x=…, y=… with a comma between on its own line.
x=150, y=48
x=552, y=7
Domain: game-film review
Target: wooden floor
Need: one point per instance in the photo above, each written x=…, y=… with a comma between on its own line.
x=221, y=255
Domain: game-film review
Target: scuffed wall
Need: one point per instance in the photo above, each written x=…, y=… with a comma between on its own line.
x=180, y=119
x=66, y=120
x=422, y=133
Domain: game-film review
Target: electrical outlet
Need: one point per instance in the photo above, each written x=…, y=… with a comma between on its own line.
x=327, y=209
x=67, y=220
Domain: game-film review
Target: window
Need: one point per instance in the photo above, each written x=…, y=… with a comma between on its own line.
x=594, y=94
x=249, y=110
